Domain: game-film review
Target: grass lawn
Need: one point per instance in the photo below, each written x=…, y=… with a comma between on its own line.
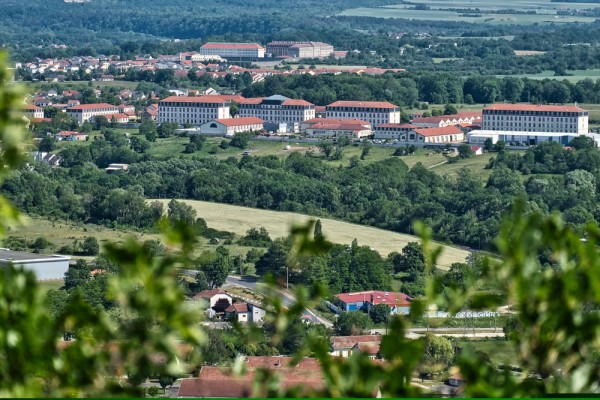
x=61, y=233
x=240, y=219
x=49, y=285
x=500, y=351
x=476, y=164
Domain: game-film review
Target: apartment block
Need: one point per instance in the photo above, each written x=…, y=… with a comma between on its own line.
x=535, y=118
x=84, y=112
x=299, y=49
x=233, y=50
x=192, y=110
x=278, y=110
x=375, y=112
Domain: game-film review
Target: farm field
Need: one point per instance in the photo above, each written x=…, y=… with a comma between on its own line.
x=483, y=11
x=239, y=220
x=572, y=75
x=444, y=15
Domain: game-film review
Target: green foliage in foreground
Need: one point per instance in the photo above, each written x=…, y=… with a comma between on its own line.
x=556, y=335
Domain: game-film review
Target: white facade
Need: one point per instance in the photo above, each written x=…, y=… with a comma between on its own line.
x=45, y=267
x=192, y=110
x=33, y=112
x=374, y=112
x=233, y=50
x=278, y=109
x=393, y=131
x=517, y=138
x=84, y=112
x=535, y=118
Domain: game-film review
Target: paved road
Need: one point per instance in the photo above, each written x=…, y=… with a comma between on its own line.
x=451, y=332
x=287, y=298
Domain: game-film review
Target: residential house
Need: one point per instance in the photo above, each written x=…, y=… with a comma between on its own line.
x=245, y=312
x=345, y=346
x=399, y=303
x=231, y=126
x=218, y=382
x=70, y=136
x=50, y=159
x=216, y=299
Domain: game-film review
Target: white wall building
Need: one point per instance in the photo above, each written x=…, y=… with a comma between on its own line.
x=32, y=111
x=375, y=112
x=45, y=267
x=192, y=110
x=233, y=50
x=276, y=109
x=331, y=130
x=84, y=112
x=517, y=138
x=535, y=118
x=231, y=126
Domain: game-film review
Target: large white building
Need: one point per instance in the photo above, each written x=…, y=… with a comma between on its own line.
x=299, y=49
x=45, y=267
x=535, y=118
x=518, y=138
x=277, y=110
x=375, y=112
x=192, y=110
x=84, y=112
x=233, y=50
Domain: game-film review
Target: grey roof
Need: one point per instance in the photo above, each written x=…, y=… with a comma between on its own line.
x=21, y=256
x=277, y=97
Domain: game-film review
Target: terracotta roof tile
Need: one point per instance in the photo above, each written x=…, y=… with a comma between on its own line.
x=534, y=108
x=365, y=104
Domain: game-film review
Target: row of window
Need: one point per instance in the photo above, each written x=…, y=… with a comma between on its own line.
x=329, y=109
x=535, y=113
x=536, y=118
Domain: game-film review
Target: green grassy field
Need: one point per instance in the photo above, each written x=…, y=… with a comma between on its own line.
x=240, y=219
x=573, y=75
x=62, y=233
x=475, y=163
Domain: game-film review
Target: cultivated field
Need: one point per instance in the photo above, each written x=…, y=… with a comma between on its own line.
x=479, y=11
x=240, y=219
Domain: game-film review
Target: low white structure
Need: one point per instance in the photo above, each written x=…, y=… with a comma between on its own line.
x=518, y=138
x=330, y=128
x=231, y=126
x=46, y=268
x=117, y=167
x=84, y=112
x=245, y=312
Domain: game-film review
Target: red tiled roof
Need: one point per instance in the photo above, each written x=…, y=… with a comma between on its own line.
x=218, y=382
x=366, y=104
x=340, y=127
x=398, y=126
x=194, y=99
x=376, y=297
x=348, y=342
x=240, y=121
x=368, y=348
x=251, y=100
x=336, y=121
x=292, y=102
x=92, y=106
x=207, y=294
x=533, y=107
x=31, y=107
x=237, y=307
x=69, y=133
x=446, y=130
x=231, y=46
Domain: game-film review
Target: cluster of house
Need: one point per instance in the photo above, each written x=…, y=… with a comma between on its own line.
x=211, y=60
